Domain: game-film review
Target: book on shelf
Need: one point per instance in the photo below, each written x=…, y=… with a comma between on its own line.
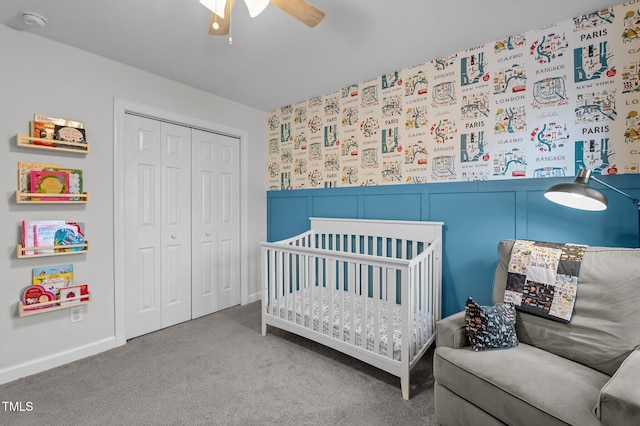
x=49, y=182
x=29, y=236
x=53, y=234
x=53, y=278
x=42, y=130
x=69, y=134
x=73, y=291
x=37, y=294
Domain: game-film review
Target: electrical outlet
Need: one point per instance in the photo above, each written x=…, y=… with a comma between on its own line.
x=75, y=314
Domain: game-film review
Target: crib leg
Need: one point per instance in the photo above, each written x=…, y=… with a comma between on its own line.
x=264, y=328
x=404, y=384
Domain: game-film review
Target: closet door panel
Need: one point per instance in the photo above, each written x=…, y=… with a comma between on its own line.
x=143, y=311
x=176, y=223
x=204, y=222
x=229, y=222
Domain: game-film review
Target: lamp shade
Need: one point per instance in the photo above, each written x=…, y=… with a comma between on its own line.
x=256, y=6
x=578, y=194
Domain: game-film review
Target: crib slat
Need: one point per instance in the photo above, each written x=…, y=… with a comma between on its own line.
x=313, y=272
x=287, y=283
x=331, y=286
x=376, y=310
x=302, y=279
x=425, y=303
x=264, y=282
x=415, y=314
x=365, y=297
x=321, y=283
x=354, y=284
x=406, y=323
x=280, y=280
x=427, y=283
x=340, y=298
x=390, y=287
x=270, y=280
x=434, y=295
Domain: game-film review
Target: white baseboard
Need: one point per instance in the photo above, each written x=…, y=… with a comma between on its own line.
x=39, y=365
x=254, y=297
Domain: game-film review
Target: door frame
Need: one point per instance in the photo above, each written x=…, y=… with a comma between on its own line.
x=122, y=107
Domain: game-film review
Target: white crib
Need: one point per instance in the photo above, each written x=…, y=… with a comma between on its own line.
x=390, y=271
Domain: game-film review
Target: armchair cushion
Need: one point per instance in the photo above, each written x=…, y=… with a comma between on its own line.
x=521, y=386
x=619, y=401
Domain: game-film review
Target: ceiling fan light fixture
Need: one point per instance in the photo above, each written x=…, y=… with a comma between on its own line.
x=216, y=6
x=255, y=6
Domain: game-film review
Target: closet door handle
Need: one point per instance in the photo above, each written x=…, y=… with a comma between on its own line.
x=174, y=236
x=207, y=234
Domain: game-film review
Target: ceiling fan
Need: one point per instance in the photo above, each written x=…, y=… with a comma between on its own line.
x=220, y=20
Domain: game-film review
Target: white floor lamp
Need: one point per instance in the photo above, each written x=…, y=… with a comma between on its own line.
x=579, y=195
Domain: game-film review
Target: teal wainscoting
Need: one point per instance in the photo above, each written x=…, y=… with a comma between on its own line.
x=477, y=215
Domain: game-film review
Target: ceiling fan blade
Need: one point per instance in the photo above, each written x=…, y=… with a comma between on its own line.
x=223, y=23
x=301, y=10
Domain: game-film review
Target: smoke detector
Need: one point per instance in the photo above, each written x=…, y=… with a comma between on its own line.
x=33, y=19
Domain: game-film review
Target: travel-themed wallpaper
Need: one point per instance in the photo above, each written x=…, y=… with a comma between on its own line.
x=539, y=104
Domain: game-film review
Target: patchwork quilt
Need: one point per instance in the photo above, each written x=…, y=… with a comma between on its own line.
x=543, y=278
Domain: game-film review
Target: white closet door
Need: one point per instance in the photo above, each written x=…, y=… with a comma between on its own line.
x=215, y=222
x=229, y=222
x=143, y=312
x=175, y=215
x=157, y=225
x=204, y=222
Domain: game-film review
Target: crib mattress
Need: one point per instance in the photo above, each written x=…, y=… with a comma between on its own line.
x=321, y=298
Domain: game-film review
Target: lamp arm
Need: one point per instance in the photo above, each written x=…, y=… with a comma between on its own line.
x=635, y=200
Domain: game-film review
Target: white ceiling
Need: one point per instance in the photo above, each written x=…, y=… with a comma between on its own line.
x=275, y=60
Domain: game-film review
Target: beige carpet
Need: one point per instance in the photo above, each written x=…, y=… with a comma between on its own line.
x=219, y=370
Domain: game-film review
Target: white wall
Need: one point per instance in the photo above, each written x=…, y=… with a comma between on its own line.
x=41, y=76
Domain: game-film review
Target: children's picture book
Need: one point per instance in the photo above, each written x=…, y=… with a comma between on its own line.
x=53, y=278
x=42, y=130
x=72, y=292
x=28, y=233
x=72, y=234
x=49, y=182
x=57, y=236
x=69, y=134
x=37, y=294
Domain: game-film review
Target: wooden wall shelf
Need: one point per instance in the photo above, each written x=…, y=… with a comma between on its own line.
x=25, y=198
x=54, y=305
x=20, y=251
x=27, y=141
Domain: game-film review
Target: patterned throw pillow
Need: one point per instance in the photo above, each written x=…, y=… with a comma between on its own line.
x=490, y=327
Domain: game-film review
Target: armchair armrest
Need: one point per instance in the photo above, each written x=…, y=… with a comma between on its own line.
x=619, y=400
x=451, y=331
